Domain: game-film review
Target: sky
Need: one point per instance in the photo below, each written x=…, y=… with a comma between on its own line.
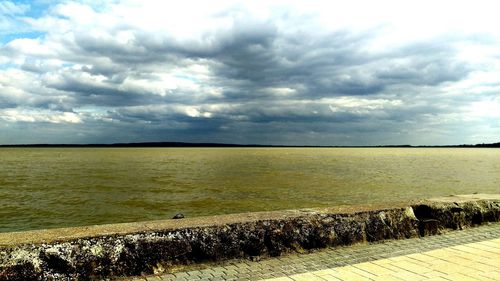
x=250, y=72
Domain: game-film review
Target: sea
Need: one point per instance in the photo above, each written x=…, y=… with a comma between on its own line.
x=61, y=187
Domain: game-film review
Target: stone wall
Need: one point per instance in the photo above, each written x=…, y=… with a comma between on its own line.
x=106, y=251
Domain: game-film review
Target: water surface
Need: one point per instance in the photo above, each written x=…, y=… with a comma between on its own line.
x=57, y=187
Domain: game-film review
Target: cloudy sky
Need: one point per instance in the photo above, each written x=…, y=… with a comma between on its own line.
x=268, y=72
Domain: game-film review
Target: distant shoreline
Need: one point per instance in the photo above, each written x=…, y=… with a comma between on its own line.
x=188, y=144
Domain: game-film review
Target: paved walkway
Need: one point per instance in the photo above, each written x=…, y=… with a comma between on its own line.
x=473, y=261
x=471, y=254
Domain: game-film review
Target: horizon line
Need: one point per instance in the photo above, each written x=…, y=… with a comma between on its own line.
x=215, y=144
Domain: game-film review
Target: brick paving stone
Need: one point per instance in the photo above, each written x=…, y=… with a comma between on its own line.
x=242, y=277
x=281, y=279
x=167, y=277
x=230, y=267
x=298, y=271
x=208, y=271
x=179, y=279
x=231, y=271
x=181, y=274
x=242, y=266
x=492, y=274
x=194, y=277
x=374, y=269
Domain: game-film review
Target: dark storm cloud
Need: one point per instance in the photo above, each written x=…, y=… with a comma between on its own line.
x=243, y=39
x=331, y=65
x=314, y=62
x=429, y=63
x=6, y=102
x=251, y=57
x=133, y=52
x=246, y=63
x=91, y=94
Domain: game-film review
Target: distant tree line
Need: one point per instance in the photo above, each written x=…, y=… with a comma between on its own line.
x=481, y=145
x=188, y=144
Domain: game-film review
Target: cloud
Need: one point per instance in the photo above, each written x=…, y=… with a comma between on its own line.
x=11, y=20
x=10, y=8
x=259, y=72
x=37, y=115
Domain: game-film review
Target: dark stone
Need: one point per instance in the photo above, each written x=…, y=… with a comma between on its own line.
x=20, y=272
x=274, y=240
x=477, y=218
x=491, y=211
x=178, y=216
x=282, y=237
x=322, y=235
x=423, y=211
x=55, y=262
x=428, y=227
x=348, y=231
x=434, y=217
x=252, y=240
x=215, y=243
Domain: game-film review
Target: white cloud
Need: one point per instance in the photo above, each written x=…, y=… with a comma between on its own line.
x=195, y=112
x=361, y=104
x=37, y=115
x=9, y=21
x=11, y=8
x=489, y=108
x=25, y=47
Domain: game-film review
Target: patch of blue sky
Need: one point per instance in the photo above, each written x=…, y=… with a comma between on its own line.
x=5, y=66
x=36, y=7
x=187, y=77
x=6, y=38
x=15, y=13
x=67, y=64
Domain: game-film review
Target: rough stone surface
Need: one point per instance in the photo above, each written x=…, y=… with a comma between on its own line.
x=456, y=212
x=155, y=247
x=390, y=260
